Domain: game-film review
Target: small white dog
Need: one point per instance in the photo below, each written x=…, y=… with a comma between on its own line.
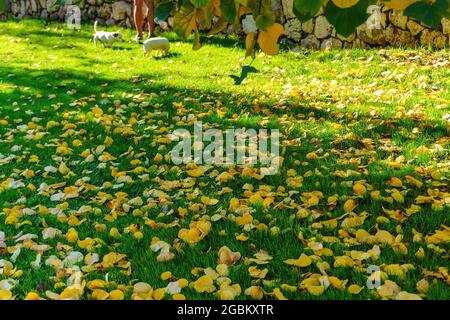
x=105, y=37
x=158, y=44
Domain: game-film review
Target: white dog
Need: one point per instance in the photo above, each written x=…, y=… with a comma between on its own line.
x=105, y=37
x=158, y=44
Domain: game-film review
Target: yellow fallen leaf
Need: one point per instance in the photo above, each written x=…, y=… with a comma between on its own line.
x=337, y=283
x=420, y=253
x=195, y=173
x=113, y=232
x=403, y=295
x=389, y=289
x=355, y=289
x=315, y=290
x=234, y=204
x=396, y=182
x=166, y=275
x=63, y=169
x=208, y=201
x=142, y=287
x=158, y=157
x=255, y=292
x=363, y=236
x=229, y=292
x=142, y=291
x=343, y=262
x=32, y=296
x=245, y=219
x=349, y=205
x=359, y=189
x=384, y=237
x=96, y=284
x=302, y=261
x=278, y=294
x=203, y=284
x=228, y=257
x=138, y=235
x=71, y=293
x=72, y=235
x=116, y=295
x=87, y=243
x=440, y=236
x=242, y=237
x=5, y=294
x=224, y=177
x=257, y=273
x=97, y=112
x=158, y=294
x=77, y=143
x=422, y=286
x=99, y=294
x=28, y=173
x=196, y=232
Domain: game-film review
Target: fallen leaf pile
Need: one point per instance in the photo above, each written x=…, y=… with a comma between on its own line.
x=92, y=207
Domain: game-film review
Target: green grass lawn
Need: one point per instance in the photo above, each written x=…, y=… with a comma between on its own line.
x=87, y=185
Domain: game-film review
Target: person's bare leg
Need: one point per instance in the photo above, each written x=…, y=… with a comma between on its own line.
x=139, y=18
x=150, y=17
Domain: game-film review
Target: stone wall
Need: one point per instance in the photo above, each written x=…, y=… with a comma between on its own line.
x=385, y=27
x=107, y=12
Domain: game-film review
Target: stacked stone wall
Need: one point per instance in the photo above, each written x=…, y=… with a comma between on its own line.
x=386, y=27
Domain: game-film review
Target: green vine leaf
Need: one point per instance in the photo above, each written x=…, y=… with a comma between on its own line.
x=163, y=10
x=185, y=20
x=229, y=10
x=347, y=20
x=429, y=14
x=305, y=10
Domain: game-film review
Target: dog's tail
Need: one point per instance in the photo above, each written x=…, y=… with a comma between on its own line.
x=95, y=25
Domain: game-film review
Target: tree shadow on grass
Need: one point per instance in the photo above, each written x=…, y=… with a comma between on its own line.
x=227, y=41
x=34, y=28
x=170, y=55
x=150, y=88
x=245, y=70
x=121, y=48
x=52, y=29
x=61, y=81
